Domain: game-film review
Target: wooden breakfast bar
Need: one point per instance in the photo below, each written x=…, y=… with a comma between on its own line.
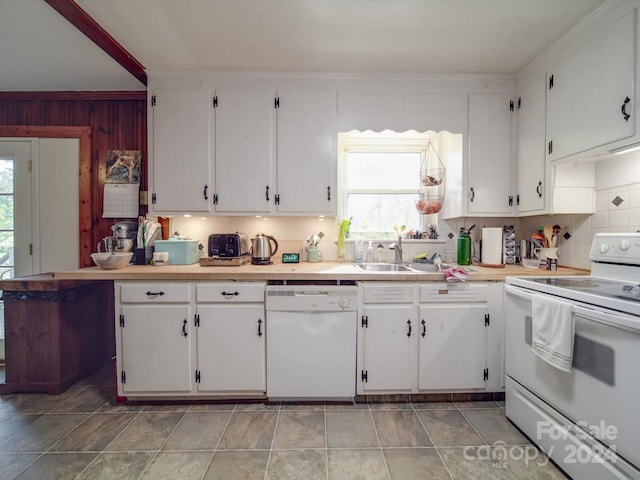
x=57, y=332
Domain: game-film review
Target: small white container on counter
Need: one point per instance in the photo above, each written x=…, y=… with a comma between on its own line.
x=160, y=258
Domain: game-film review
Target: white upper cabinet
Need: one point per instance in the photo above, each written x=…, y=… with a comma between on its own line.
x=244, y=151
x=489, y=180
x=306, y=166
x=590, y=100
x=437, y=111
x=532, y=181
x=180, y=148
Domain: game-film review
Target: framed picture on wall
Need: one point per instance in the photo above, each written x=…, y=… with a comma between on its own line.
x=123, y=166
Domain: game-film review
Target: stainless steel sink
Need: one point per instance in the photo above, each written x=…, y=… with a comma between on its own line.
x=431, y=268
x=384, y=267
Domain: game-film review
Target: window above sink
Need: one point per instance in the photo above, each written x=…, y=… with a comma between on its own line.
x=379, y=179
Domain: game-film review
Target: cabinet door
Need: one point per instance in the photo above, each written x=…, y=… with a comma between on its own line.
x=245, y=146
x=388, y=348
x=306, y=152
x=588, y=89
x=531, y=146
x=453, y=347
x=156, y=353
x=231, y=348
x=489, y=168
x=181, y=150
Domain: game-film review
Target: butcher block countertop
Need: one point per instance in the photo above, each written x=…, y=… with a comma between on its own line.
x=300, y=271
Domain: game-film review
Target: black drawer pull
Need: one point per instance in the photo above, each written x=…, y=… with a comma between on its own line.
x=259, y=327
x=424, y=328
x=409, y=332
x=184, y=328
x=229, y=294
x=154, y=294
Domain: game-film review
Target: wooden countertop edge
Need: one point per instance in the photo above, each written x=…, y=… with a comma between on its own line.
x=301, y=271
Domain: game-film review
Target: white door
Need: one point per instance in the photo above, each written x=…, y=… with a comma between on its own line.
x=245, y=151
x=589, y=91
x=181, y=150
x=453, y=347
x=231, y=348
x=531, y=146
x=388, y=335
x=16, y=239
x=156, y=348
x=306, y=153
x=489, y=170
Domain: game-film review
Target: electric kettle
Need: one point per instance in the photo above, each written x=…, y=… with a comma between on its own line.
x=261, y=249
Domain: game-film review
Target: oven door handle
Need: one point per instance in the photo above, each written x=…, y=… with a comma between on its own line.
x=617, y=320
x=518, y=292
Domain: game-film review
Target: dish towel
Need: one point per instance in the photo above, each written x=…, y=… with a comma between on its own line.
x=552, y=331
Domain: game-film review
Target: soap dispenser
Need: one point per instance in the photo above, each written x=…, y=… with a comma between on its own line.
x=369, y=258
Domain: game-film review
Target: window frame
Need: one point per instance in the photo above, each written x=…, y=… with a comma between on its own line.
x=382, y=142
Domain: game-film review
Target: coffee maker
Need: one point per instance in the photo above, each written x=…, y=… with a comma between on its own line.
x=125, y=236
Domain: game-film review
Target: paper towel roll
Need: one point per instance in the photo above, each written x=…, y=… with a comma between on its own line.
x=491, y=246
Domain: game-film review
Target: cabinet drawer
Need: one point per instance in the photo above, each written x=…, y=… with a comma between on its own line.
x=155, y=293
x=387, y=293
x=230, y=292
x=453, y=292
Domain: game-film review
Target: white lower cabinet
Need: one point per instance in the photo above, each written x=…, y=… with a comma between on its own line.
x=388, y=348
x=429, y=337
x=187, y=339
x=156, y=348
x=453, y=347
x=230, y=339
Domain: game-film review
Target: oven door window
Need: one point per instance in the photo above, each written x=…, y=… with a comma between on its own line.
x=593, y=358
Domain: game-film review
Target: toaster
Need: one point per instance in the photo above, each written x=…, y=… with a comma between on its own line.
x=228, y=245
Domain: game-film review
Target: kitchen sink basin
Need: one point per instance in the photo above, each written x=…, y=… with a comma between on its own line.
x=431, y=268
x=384, y=267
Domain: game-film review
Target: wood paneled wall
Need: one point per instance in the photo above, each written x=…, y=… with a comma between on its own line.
x=117, y=120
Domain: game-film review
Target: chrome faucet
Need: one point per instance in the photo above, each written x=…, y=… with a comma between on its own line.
x=397, y=247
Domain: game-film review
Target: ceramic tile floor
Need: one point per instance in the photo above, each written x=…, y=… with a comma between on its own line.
x=83, y=434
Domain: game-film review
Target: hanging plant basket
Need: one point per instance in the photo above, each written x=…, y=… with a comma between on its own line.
x=432, y=170
x=432, y=177
x=429, y=203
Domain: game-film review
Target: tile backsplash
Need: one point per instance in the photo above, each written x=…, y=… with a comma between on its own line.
x=617, y=210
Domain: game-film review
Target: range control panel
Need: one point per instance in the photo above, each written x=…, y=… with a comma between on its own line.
x=617, y=248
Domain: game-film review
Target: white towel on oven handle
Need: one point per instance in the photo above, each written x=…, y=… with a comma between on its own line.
x=553, y=329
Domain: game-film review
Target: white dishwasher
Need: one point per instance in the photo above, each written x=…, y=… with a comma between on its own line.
x=311, y=342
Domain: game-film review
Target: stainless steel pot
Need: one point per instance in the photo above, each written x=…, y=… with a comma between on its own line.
x=263, y=247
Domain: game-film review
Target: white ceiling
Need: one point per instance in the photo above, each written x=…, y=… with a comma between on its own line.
x=387, y=36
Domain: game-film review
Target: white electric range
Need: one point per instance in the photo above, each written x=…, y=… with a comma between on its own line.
x=586, y=420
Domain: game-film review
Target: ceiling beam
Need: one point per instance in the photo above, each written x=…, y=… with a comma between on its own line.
x=87, y=25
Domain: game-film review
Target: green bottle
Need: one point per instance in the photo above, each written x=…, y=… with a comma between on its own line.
x=464, y=246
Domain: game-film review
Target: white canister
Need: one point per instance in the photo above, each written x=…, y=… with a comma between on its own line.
x=160, y=258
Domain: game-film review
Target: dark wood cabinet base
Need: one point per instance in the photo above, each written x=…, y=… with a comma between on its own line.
x=56, y=332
